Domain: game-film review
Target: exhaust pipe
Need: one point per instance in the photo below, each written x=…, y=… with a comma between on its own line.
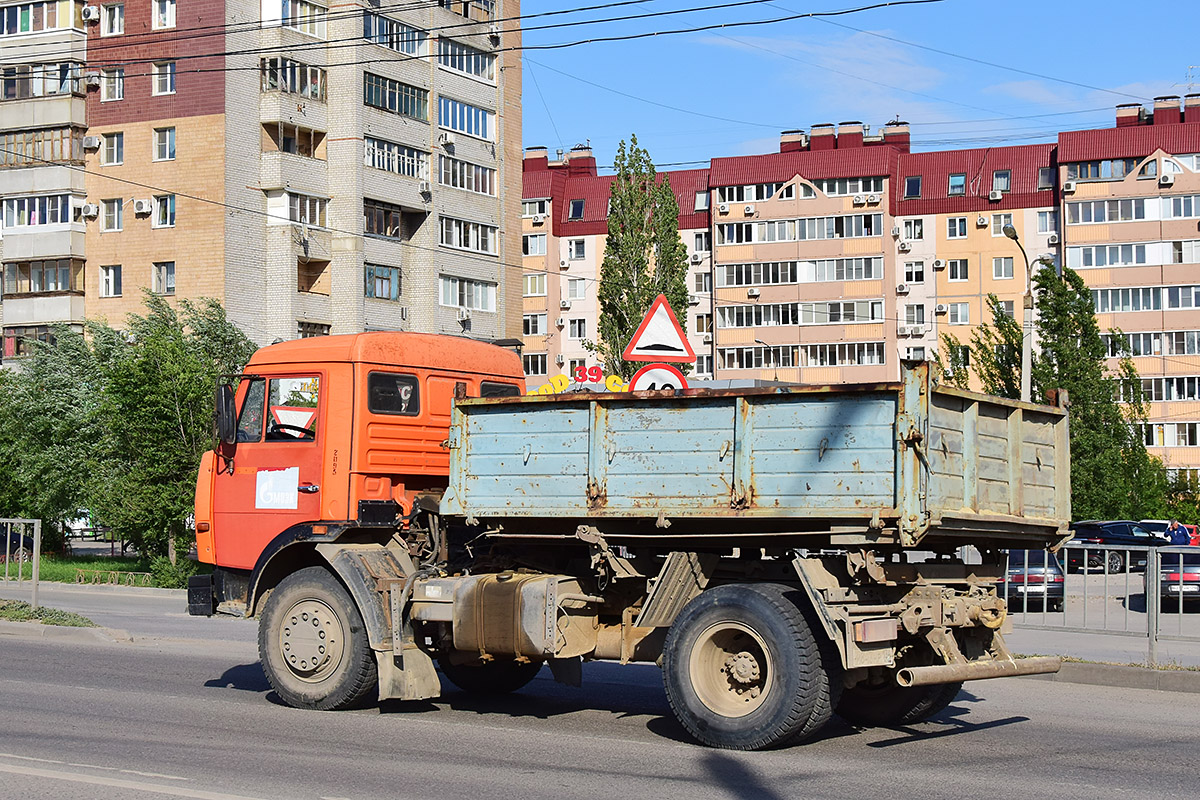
x=977, y=670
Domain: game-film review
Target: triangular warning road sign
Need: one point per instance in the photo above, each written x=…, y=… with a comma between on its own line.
x=295, y=417
x=659, y=337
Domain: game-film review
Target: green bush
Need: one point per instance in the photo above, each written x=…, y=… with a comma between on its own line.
x=172, y=576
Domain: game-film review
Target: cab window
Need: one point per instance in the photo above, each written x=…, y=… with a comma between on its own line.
x=495, y=389
x=389, y=393
x=250, y=420
x=292, y=403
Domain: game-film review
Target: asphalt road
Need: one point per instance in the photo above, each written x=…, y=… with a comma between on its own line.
x=195, y=718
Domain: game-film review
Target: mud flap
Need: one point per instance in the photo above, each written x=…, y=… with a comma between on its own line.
x=409, y=675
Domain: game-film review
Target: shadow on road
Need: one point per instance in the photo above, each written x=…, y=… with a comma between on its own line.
x=244, y=677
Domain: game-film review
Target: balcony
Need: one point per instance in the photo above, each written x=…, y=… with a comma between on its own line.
x=293, y=172
x=294, y=109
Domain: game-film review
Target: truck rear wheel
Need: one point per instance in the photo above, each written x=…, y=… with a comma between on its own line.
x=892, y=704
x=742, y=669
x=313, y=644
x=494, y=678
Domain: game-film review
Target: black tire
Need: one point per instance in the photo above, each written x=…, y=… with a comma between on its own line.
x=1114, y=562
x=313, y=644
x=743, y=671
x=495, y=678
x=1058, y=605
x=891, y=704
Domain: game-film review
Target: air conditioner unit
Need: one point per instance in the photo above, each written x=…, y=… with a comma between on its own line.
x=538, y=219
x=939, y=263
x=902, y=330
x=896, y=231
x=143, y=206
x=1166, y=180
x=941, y=308
x=723, y=208
x=91, y=143
x=564, y=304
x=425, y=187
x=748, y=210
x=693, y=299
x=90, y=14
x=561, y=322
x=464, y=314
x=564, y=264
x=494, y=34
x=901, y=288
x=708, y=338
x=89, y=210
x=446, y=139
x=560, y=359
x=904, y=247
x=753, y=291
x=995, y=194
x=859, y=200
x=981, y=221
x=696, y=258
x=92, y=80
x=1069, y=187
x=872, y=199
x=1052, y=239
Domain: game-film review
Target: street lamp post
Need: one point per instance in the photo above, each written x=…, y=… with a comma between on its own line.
x=1027, y=324
x=771, y=354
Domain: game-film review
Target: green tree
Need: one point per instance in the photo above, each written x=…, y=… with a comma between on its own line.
x=953, y=362
x=996, y=348
x=643, y=256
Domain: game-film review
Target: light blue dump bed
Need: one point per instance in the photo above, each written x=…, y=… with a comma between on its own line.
x=909, y=457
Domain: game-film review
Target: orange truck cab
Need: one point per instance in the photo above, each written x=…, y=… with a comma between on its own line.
x=333, y=439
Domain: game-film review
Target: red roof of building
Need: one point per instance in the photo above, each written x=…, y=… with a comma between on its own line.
x=853, y=162
x=1135, y=141
x=935, y=169
x=594, y=191
x=535, y=185
x=685, y=183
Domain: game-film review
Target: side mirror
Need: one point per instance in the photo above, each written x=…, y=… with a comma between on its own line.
x=226, y=414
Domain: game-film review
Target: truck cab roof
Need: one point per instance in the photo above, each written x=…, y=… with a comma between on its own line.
x=418, y=350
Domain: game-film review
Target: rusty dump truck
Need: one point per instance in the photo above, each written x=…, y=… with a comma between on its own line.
x=390, y=506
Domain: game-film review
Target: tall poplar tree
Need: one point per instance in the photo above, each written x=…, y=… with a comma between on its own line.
x=643, y=256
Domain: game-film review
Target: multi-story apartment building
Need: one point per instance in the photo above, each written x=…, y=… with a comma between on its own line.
x=844, y=252
x=316, y=170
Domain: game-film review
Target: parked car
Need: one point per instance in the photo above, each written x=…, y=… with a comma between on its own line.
x=1179, y=579
x=1116, y=534
x=19, y=546
x=1034, y=578
x=1157, y=526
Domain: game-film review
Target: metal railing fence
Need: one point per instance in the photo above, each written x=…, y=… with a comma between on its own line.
x=13, y=534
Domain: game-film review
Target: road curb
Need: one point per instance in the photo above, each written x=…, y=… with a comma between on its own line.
x=146, y=591
x=63, y=633
x=1125, y=677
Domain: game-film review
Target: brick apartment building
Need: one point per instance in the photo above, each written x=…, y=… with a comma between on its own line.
x=318, y=170
x=834, y=258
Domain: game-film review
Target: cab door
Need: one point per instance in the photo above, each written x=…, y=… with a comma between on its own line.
x=274, y=480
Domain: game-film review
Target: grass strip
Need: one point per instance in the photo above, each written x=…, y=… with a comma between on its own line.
x=20, y=611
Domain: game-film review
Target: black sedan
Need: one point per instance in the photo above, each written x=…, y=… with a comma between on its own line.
x=1128, y=541
x=1179, y=577
x=1034, y=579
x=14, y=545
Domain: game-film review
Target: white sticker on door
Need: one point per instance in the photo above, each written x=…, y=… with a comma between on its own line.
x=276, y=488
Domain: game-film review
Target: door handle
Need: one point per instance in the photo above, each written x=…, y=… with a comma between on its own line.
x=308, y=488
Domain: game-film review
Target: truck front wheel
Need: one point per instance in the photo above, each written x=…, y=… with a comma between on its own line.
x=892, y=704
x=313, y=644
x=742, y=669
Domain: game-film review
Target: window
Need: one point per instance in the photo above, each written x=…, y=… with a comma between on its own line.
x=286, y=75
x=466, y=118
x=912, y=186
x=1047, y=221
x=1002, y=180
x=702, y=201
x=313, y=276
x=1002, y=268
x=395, y=97
x=914, y=272
x=380, y=282
x=22, y=81
x=533, y=244
x=998, y=223
x=112, y=84
x=824, y=313
x=39, y=210
x=956, y=228
x=19, y=148
x=535, y=284
x=577, y=328
x=575, y=209
x=960, y=313
x=812, y=355
x=576, y=289
x=957, y=267
x=851, y=226
x=914, y=229
x=393, y=34
x=958, y=184
x=914, y=314
x=110, y=281
x=576, y=249
x=1113, y=255
x=534, y=324
x=783, y=272
x=112, y=149
x=463, y=235
x=1094, y=211
x=843, y=187
x=1046, y=178
x=389, y=393
x=703, y=282
x=576, y=364
x=704, y=364
x=1181, y=207
x=704, y=323
x=163, y=75
x=397, y=158
x=43, y=275
x=307, y=210
x=164, y=144
x=112, y=20
x=465, y=175
x=1185, y=252
x=534, y=363
x=381, y=219
x=309, y=330
x=703, y=242
x=464, y=293
x=1110, y=169
x=111, y=214
x=462, y=58
x=164, y=14
x=164, y=211
x=1008, y=308
x=163, y=277
x=533, y=208
x=41, y=15
x=301, y=15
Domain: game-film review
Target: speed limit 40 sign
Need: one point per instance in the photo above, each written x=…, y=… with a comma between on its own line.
x=657, y=377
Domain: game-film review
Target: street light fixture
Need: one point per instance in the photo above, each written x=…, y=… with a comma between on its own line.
x=1027, y=324
x=771, y=353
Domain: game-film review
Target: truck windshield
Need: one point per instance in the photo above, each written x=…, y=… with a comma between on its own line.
x=293, y=408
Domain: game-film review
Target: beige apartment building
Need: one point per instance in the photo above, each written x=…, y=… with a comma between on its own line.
x=323, y=171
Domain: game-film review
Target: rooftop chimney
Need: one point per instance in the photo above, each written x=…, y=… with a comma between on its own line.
x=1129, y=114
x=1166, y=110
x=1191, y=108
x=580, y=161
x=791, y=141
x=849, y=134
x=536, y=159
x=822, y=137
x=897, y=133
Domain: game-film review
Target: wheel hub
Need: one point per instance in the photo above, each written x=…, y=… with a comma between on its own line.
x=731, y=669
x=742, y=668
x=310, y=640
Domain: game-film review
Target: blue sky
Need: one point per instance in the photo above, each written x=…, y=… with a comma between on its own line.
x=736, y=88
